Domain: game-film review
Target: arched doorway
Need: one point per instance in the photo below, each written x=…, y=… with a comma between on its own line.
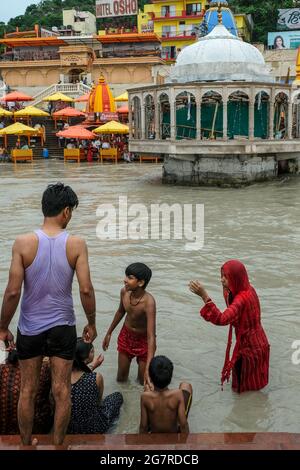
x=238, y=115
x=76, y=75
x=164, y=116
x=261, y=115
x=185, y=109
x=212, y=115
x=281, y=116
x=149, y=117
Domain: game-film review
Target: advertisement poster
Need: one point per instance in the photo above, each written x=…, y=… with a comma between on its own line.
x=284, y=40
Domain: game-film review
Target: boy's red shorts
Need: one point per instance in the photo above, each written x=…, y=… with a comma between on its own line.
x=133, y=344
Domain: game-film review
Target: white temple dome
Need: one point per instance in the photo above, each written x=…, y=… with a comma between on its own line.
x=220, y=56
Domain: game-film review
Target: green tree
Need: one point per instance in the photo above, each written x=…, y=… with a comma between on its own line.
x=264, y=14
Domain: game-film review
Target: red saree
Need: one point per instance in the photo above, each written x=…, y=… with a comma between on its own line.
x=249, y=363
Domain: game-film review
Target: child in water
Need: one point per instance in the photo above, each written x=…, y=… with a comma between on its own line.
x=137, y=336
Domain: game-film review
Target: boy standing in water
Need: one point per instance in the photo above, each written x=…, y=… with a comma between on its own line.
x=137, y=336
x=164, y=410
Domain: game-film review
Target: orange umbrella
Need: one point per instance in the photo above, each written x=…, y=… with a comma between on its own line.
x=16, y=96
x=83, y=98
x=122, y=109
x=68, y=112
x=76, y=132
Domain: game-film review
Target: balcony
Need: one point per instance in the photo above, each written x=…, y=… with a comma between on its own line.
x=176, y=14
x=177, y=35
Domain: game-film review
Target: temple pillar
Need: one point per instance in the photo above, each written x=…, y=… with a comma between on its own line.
x=172, y=114
x=156, y=117
x=143, y=121
x=225, y=125
x=290, y=120
x=198, y=117
x=271, y=117
x=251, y=119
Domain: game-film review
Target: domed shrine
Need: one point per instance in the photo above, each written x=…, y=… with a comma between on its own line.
x=101, y=105
x=220, y=119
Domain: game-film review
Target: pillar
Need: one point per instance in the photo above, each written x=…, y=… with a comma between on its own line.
x=290, y=120
x=143, y=122
x=172, y=115
x=271, y=117
x=156, y=117
x=225, y=129
x=251, y=119
x=198, y=117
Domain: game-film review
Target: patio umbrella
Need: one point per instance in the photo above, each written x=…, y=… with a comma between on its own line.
x=18, y=129
x=31, y=111
x=68, y=112
x=112, y=127
x=58, y=97
x=82, y=98
x=16, y=96
x=123, y=109
x=76, y=132
x=123, y=97
x=5, y=113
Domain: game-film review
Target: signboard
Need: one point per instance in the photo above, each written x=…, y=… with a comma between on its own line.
x=111, y=8
x=284, y=40
x=289, y=18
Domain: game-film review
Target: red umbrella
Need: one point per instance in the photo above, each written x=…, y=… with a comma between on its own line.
x=68, y=112
x=16, y=96
x=123, y=109
x=83, y=98
x=76, y=132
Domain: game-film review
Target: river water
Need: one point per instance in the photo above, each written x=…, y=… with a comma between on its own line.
x=258, y=224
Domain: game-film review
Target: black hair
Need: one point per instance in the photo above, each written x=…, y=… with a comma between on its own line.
x=56, y=198
x=140, y=271
x=82, y=352
x=161, y=371
x=275, y=40
x=12, y=357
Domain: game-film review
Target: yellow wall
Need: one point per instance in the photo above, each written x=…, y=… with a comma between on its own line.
x=158, y=25
x=243, y=26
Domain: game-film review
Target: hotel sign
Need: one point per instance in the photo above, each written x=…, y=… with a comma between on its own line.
x=111, y=8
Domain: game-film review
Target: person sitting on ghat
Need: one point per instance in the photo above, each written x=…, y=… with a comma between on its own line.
x=164, y=410
x=90, y=413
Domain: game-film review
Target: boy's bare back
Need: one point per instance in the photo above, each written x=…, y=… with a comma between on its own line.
x=163, y=411
x=137, y=309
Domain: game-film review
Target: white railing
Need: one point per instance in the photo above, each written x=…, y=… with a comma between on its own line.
x=66, y=88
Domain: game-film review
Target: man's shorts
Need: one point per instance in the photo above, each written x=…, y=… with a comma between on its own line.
x=59, y=341
x=133, y=344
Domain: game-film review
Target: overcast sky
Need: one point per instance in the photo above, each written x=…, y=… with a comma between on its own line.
x=11, y=8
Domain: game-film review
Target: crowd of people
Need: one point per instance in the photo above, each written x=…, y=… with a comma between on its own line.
x=43, y=263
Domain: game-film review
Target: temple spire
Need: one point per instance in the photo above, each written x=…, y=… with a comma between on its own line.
x=219, y=13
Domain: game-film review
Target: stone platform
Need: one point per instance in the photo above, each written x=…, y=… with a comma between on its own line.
x=162, y=442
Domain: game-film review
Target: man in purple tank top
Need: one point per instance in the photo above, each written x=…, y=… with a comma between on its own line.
x=45, y=261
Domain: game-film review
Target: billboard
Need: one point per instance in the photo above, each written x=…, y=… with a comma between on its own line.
x=112, y=8
x=284, y=40
x=289, y=18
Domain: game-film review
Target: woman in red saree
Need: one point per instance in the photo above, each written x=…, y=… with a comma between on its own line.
x=249, y=363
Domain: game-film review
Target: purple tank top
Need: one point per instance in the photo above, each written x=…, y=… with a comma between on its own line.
x=47, y=296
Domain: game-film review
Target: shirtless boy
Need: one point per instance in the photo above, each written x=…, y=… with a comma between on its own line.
x=137, y=336
x=164, y=410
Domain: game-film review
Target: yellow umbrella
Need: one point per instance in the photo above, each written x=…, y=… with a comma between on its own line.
x=112, y=127
x=58, y=97
x=31, y=111
x=123, y=97
x=5, y=113
x=18, y=129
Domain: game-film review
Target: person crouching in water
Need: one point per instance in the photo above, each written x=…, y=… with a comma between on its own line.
x=137, y=336
x=90, y=413
x=164, y=410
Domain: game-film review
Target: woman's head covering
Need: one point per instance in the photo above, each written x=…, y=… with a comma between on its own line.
x=237, y=276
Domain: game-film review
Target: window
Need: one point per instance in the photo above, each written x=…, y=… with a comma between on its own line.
x=193, y=9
